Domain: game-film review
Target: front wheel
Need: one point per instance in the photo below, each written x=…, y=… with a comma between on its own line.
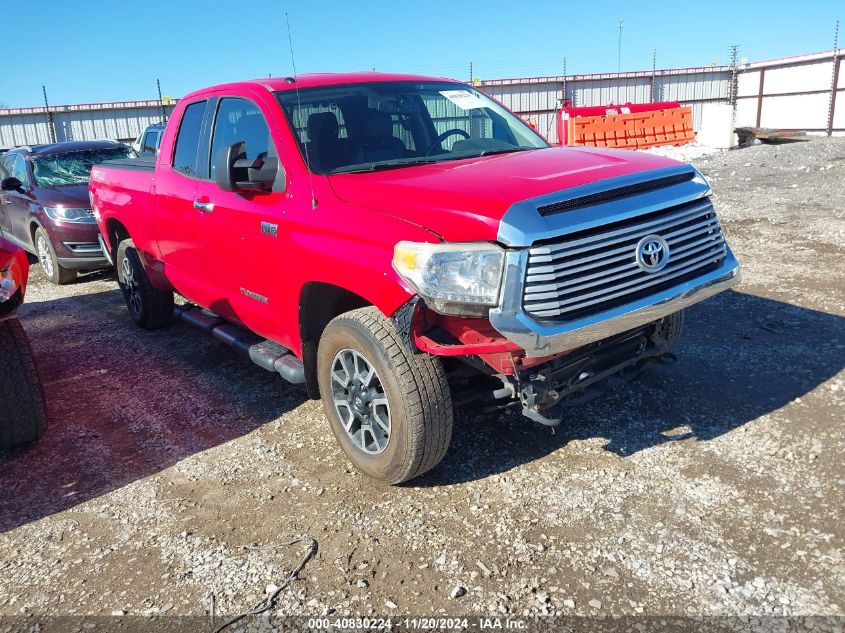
x=390, y=409
x=53, y=271
x=148, y=306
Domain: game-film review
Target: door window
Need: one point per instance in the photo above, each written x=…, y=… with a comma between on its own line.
x=187, y=142
x=18, y=170
x=239, y=121
x=150, y=144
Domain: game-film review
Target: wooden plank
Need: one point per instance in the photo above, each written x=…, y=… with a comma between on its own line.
x=833, y=91
x=760, y=96
x=766, y=134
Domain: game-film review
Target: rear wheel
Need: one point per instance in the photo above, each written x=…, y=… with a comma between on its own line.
x=53, y=271
x=148, y=306
x=390, y=409
x=23, y=415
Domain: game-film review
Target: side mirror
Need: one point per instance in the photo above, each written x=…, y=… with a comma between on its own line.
x=11, y=184
x=233, y=171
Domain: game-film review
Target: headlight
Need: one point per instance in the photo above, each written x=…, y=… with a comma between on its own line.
x=11, y=277
x=70, y=214
x=453, y=278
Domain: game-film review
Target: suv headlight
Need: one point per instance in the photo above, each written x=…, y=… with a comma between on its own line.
x=70, y=214
x=459, y=278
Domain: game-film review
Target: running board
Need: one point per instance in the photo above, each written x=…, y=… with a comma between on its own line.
x=266, y=354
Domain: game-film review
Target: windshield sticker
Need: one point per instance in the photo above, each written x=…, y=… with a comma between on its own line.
x=464, y=99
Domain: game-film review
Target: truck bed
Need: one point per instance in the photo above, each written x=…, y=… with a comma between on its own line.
x=121, y=191
x=147, y=163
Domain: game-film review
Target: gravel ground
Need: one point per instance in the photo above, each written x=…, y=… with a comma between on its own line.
x=174, y=470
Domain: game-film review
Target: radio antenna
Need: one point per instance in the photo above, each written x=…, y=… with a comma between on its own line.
x=299, y=107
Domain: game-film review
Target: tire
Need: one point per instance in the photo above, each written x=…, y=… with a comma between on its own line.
x=54, y=273
x=148, y=306
x=23, y=416
x=671, y=330
x=413, y=387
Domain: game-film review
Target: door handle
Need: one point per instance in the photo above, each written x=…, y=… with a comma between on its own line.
x=205, y=207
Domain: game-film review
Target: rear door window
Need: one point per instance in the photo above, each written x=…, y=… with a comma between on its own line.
x=187, y=142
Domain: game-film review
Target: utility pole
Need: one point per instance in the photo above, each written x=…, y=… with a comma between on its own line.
x=733, y=87
x=50, y=123
x=837, y=63
x=558, y=114
x=563, y=87
x=161, y=102
x=653, y=73
x=619, y=49
x=470, y=73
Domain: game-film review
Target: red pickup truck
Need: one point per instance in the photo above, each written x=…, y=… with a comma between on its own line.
x=403, y=244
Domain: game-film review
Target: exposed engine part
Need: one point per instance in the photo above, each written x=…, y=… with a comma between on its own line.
x=546, y=391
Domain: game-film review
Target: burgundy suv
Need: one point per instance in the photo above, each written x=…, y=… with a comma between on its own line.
x=44, y=205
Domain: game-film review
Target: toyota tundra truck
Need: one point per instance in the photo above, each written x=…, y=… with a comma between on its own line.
x=403, y=245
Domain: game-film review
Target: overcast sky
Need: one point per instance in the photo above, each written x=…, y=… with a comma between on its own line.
x=113, y=50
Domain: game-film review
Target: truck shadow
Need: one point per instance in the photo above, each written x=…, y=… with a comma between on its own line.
x=741, y=357
x=125, y=404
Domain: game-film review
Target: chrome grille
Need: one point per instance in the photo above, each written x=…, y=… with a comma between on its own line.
x=595, y=270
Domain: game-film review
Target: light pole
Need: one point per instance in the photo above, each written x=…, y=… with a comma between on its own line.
x=619, y=50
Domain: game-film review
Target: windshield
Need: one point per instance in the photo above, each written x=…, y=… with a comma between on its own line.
x=72, y=168
x=369, y=126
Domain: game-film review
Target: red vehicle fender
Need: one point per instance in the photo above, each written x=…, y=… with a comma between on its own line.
x=14, y=260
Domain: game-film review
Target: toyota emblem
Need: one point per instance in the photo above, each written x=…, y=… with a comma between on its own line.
x=652, y=253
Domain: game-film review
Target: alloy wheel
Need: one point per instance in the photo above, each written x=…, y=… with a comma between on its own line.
x=130, y=286
x=360, y=401
x=45, y=256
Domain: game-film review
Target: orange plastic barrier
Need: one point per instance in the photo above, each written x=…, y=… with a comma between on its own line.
x=637, y=130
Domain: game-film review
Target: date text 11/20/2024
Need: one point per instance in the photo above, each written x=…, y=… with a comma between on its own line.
x=423, y=624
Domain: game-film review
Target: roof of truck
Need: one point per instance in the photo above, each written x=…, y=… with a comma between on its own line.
x=311, y=80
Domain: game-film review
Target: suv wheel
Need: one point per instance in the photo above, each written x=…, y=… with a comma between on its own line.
x=54, y=272
x=23, y=416
x=149, y=307
x=390, y=409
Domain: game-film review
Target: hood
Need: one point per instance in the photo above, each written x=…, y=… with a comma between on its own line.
x=464, y=200
x=66, y=195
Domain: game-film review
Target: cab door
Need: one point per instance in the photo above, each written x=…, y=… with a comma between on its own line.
x=5, y=199
x=15, y=214
x=242, y=234
x=175, y=217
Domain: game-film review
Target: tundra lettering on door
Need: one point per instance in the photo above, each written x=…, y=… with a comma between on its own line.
x=402, y=245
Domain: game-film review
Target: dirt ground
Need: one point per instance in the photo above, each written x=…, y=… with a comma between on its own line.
x=174, y=471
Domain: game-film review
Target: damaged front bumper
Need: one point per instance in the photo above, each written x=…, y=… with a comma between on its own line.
x=546, y=390
x=540, y=339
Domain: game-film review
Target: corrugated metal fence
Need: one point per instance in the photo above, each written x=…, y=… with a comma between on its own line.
x=790, y=93
x=538, y=98
x=122, y=121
